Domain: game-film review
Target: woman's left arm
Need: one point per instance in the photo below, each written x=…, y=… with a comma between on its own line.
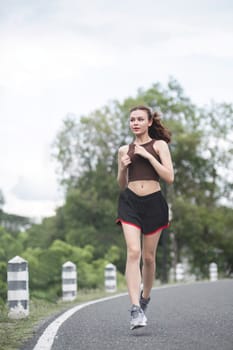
x=165, y=168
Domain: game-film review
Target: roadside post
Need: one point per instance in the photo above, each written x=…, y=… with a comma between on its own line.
x=18, y=290
x=213, y=272
x=110, y=278
x=69, y=281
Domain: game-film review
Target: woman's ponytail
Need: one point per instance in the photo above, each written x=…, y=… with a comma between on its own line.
x=157, y=130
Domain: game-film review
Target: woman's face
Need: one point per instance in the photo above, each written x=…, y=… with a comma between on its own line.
x=139, y=122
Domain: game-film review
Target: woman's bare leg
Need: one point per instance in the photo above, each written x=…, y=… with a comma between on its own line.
x=132, y=272
x=149, y=249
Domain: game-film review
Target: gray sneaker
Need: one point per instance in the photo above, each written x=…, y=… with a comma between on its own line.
x=144, y=302
x=138, y=318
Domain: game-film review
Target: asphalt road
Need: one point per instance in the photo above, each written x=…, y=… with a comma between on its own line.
x=184, y=317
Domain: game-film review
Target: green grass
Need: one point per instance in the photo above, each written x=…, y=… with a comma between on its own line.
x=13, y=333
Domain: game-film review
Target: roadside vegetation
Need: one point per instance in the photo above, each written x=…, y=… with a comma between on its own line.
x=15, y=333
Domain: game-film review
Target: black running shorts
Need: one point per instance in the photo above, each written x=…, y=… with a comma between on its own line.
x=149, y=213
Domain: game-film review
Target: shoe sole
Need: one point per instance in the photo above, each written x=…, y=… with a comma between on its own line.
x=143, y=323
x=138, y=326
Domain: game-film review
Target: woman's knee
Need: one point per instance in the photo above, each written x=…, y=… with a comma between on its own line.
x=134, y=254
x=149, y=259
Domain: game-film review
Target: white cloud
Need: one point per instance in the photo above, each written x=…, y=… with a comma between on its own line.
x=38, y=189
x=31, y=208
x=55, y=58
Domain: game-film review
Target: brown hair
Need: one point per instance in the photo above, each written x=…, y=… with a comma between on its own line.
x=156, y=130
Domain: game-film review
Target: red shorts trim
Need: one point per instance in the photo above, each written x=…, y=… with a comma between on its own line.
x=120, y=221
x=157, y=230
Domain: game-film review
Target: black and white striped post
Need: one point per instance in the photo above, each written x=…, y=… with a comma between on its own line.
x=179, y=272
x=213, y=272
x=18, y=290
x=69, y=281
x=110, y=278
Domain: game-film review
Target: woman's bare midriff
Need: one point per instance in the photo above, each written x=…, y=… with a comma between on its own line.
x=142, y=188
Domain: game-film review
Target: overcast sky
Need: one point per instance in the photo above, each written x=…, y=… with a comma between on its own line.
x=73, y=56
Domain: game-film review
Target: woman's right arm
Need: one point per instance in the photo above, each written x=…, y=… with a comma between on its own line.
x=123, y=162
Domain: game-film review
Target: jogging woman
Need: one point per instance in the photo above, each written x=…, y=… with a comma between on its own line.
x=142, y=209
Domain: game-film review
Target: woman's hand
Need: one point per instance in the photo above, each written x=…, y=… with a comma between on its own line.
x=125, y=161
x=141, y=151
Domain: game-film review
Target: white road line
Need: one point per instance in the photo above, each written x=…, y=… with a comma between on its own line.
x=46, y=340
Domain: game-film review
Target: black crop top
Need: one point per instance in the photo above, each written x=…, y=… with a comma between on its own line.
x=141, y=168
